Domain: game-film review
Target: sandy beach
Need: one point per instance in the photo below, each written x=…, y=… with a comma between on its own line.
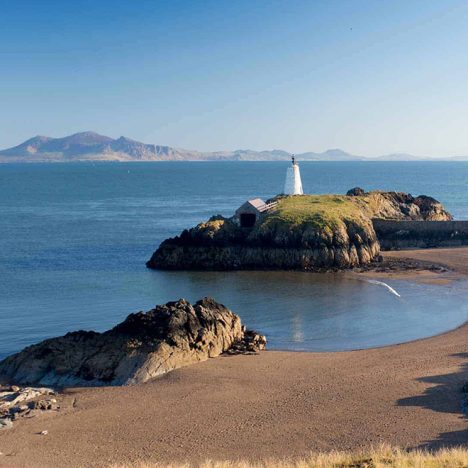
x=275, y=404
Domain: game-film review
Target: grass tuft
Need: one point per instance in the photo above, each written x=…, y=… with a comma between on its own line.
x=383, y=456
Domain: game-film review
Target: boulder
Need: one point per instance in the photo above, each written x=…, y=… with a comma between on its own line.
x=431, y=209
x=251, y=343
x=5, y=423
x=356, y=192
x=143, y=346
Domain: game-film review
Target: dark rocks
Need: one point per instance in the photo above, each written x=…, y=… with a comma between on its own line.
x=143, y=346
x=321, y=258
x=356, y=192
x=402, y=206
x=390, y=265
x=221, y=245
x=465, y=398
x=251, y=343
x=431, y=209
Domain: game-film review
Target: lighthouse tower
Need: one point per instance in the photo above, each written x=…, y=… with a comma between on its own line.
x=293, y=183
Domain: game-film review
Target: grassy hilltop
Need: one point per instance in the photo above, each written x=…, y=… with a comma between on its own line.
x=322, y=211
x=319, y=211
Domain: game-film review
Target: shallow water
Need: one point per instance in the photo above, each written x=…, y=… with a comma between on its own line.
x=74, y=240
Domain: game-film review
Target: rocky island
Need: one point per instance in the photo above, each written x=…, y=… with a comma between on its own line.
x=143, y=346
x=305, y=232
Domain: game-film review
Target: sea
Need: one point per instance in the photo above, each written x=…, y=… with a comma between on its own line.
x=75, y=237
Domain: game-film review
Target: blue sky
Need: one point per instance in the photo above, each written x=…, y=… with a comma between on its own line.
x=370, y=77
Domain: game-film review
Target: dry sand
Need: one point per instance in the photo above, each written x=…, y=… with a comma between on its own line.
x=275, y=404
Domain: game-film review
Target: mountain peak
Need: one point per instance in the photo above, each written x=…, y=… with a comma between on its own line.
x=85, y=133
x=86, y=138
x=336, y=152
x=126, y=139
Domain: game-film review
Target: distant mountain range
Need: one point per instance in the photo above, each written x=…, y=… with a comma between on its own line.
x=90, y=146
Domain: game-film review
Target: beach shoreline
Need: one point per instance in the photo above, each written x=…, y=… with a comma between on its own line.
x=274, y=404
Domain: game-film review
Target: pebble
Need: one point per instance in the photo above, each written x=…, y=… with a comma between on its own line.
x=5, y=423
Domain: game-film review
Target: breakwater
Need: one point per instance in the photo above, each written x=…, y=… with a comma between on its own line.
x=395, y=235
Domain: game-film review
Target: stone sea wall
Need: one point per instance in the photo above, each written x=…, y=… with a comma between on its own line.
x=395, y=234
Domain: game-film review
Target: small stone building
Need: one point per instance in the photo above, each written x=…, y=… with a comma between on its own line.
x=248, y=214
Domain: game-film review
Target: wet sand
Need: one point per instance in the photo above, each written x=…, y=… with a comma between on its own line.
x=275, y=404
x=453, y=258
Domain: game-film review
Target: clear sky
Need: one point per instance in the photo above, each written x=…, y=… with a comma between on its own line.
x=371, y=77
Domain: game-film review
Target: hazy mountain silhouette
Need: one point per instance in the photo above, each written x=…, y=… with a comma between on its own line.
x=90, y=146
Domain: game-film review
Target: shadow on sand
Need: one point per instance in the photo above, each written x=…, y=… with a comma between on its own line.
x=445, y=396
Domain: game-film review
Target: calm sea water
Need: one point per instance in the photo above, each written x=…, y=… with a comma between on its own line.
x=74, y=240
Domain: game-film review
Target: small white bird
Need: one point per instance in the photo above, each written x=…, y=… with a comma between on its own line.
x=381, y=283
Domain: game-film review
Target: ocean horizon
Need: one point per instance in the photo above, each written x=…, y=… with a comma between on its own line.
x=76, y=237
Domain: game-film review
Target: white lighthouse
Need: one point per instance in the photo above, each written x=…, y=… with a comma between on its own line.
x=293, y=183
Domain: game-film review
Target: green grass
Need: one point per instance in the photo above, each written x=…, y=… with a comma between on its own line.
x=318, y=211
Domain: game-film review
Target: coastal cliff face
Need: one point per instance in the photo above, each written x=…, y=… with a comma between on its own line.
x=307, y=232
x=144, y=346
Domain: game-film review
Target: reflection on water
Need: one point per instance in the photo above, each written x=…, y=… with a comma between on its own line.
x=297, y=335
x=326, y=312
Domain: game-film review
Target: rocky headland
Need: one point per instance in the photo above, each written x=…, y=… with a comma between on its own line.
x=306, y=232
x=143, y=346
x=401, y=206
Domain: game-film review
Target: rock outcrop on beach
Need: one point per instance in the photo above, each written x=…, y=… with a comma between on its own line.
x=143, y=346
x=25, y=402
x=306, y=232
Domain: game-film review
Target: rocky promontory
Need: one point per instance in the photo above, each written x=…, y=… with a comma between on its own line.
x=306, y=232
x=143, y=346
x=401, y=206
